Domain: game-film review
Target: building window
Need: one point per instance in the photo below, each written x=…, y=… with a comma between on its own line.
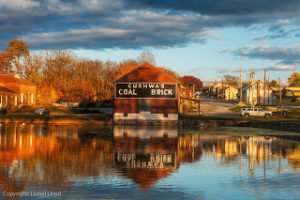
x=293, y=100
x=22, y=96
x=125, y=115
x=16, y=101
x=145, y=105
x=6, y=100
x=165, y=115
x=31, y=98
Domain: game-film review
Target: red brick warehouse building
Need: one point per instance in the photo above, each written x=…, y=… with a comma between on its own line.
x=146, y=93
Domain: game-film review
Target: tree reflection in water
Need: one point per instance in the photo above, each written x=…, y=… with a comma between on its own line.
x=55, y=156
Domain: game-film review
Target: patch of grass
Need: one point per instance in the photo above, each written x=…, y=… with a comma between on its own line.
x=261, y=119
x=273, y=119
x=201, y=117
x=236, y=109
x=294, y=111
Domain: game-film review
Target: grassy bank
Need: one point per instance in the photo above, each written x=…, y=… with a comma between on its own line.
x=201, y=117
x=105, y=117
x=260, y=119
x=30, y=117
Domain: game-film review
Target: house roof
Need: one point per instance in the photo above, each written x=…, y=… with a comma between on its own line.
x=232, y=87
x=4, y=89
x=13, y=78
x=294, y=89
x=145, y=65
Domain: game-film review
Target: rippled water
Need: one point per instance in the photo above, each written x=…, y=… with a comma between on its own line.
x=93, y=162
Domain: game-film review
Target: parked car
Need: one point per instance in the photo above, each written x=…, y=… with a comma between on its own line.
x=3, y=111
x=246, y=112
x=42, y=111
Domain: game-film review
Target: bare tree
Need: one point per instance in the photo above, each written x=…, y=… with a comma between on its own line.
x=146, y=56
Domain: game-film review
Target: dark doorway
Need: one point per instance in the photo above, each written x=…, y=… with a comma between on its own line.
x=145, y=105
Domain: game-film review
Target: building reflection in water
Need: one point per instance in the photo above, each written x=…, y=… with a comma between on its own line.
x=145, y=155
x=55, y=156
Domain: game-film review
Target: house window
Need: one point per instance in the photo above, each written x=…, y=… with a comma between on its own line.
x=145, y=105
x=31, y=98
x=16, y=101
x=22, y=96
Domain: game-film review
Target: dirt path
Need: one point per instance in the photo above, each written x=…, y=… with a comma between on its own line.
x=214, y=108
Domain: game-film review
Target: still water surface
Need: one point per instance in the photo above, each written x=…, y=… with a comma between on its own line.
x=93, y=162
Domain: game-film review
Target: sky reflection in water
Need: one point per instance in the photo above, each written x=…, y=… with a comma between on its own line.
x=92, y=162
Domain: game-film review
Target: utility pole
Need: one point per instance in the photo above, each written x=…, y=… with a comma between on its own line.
x=222, y=90
x=264, y=87
x=193, y=94
x=199, y=111
x=241, y=86
x=280, y=94
x=268, y=90
x=252, y=89
x=209, y=88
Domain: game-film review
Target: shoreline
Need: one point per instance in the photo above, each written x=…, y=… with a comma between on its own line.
x=195, y=122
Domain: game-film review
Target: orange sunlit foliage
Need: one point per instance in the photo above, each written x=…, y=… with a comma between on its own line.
x=169, y=73
x=60, y=157
x=19, y=50
x=189, y=81
x=125, y=68
x=5, y=62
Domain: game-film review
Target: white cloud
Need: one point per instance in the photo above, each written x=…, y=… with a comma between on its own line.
x=99, y=4
x=284, y=21
x=19, y=4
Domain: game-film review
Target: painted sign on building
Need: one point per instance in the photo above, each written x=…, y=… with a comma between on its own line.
x=145, y=160
x=146, y=90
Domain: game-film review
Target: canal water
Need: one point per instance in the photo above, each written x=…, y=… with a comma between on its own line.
x=98, y=162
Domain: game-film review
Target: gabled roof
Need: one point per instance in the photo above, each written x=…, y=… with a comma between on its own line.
x=232, y=86
x=144, y=66
x=4, y=89
x=13, y=78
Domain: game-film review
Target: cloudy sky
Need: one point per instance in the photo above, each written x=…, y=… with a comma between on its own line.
x=204, y=38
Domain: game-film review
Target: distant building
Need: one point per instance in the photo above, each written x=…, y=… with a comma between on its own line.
x=15, y=92
x=290, y=96
x=146, y=93
x=231, y=93
x=258, y=94
x=216, y=90
x=224, y=91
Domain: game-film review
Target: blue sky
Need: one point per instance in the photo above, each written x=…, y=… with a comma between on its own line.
x=204, y=38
